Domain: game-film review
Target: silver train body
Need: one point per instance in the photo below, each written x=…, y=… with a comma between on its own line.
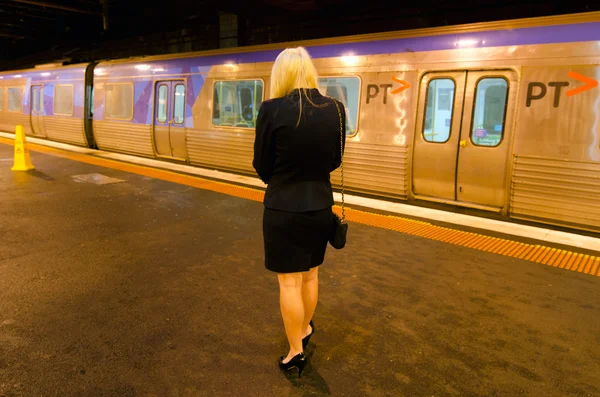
x=500, y=117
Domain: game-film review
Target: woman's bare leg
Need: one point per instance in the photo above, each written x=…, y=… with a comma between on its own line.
x=310, y=296
x=292, y=310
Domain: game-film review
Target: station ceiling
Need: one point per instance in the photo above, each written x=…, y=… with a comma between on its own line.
x=37, y=31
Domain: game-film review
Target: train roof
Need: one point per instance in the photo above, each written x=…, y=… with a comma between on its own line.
x=507, y=29
x=592, y=18
x=46, y=68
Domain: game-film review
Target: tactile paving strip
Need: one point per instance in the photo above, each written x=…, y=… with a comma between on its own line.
x=554, y=257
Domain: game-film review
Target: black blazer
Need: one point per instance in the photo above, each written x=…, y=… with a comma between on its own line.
x=295, y=161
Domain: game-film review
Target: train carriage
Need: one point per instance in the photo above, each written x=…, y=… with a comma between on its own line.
x=49, y=102
x=502, y=117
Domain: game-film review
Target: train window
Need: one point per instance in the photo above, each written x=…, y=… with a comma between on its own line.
x=347, y=91
x=14, y=99
x=438, y=110
x=179, y=104
x=63, y=100
x=35, y=99
x=489, y=111
x=163, y=94
x=1, y=98
x=91, y=102
x=119, y=101
x=236, y=103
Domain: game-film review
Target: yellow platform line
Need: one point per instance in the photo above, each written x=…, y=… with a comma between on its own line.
x=568, y=260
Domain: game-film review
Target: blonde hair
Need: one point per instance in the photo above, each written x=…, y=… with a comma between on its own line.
x=293, y=69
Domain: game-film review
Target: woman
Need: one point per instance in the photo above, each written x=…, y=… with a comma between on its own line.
x=299, y=142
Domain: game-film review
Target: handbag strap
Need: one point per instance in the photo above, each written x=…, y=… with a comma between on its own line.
x=341, y=155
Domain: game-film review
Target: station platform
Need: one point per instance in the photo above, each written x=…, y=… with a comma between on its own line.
x=120, y=279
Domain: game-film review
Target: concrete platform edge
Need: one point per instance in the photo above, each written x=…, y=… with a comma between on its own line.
x=537, y=233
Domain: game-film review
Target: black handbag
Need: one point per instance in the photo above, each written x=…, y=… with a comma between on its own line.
x=339, y=225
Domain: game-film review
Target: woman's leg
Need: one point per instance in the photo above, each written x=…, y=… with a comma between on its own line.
x=310, y=296
x=292, y=310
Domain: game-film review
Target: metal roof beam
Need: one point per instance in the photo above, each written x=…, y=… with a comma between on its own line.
x=17, y=24
x=24, y=15
x=31, y=32
x=12, y=36
x=57, y=7
x=50, y=12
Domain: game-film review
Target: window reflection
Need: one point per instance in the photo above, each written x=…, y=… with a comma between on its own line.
x=179, y=105
x=347, y=91
x=438, y=111
x=163, y=92
x=489, y=112
x=236, y=103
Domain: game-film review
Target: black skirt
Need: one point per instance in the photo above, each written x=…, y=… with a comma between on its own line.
x=295, y=241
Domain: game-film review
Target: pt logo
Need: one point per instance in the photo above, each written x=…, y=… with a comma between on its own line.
x=537, y=90
x=373, y=89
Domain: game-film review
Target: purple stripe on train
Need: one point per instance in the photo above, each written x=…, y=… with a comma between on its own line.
x=498, y=38
x=143, y=88
x=524, y=36
x=54, y=75
x=47, y=107
x=153, y=70
x=49, y=79
x=142, y=94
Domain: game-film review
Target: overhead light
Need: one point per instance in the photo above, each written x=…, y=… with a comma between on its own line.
x=142, y=67
x=232, y=66
x=350, y=59
x=467, y=43
x=46, y=74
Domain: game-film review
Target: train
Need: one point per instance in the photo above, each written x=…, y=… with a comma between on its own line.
x=499, y=117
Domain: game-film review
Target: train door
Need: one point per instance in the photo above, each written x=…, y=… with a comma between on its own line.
x=37, y=110
x=462, y=138
x=169, y=118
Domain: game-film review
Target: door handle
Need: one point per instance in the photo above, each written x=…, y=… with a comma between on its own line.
x=463, y=143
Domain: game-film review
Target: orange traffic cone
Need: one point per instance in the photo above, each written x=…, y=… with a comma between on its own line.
x=22, y=158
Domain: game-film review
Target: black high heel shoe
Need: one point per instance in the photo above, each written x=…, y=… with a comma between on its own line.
x=298, y=361
x=307, y=337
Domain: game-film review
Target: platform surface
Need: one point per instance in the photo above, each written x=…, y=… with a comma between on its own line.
x=119, y=284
